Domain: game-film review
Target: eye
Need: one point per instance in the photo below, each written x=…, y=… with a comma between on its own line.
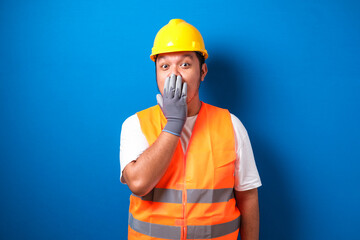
x=185, y=65
x=164, y=66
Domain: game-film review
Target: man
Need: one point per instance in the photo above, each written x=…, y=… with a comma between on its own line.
x=188, y=164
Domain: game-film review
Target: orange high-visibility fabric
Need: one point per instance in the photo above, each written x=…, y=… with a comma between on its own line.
x=209, y=163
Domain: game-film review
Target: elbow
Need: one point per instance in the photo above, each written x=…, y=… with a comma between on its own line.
x=139, y=187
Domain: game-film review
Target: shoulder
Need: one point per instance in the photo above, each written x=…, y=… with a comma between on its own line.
x=214, y=108
x=239, y=128
x=130, y=122
x=238, y=124
x=133, y=120
x=215, y=113
x=151, y=110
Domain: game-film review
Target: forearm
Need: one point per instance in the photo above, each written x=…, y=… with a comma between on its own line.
x=143, y=174
x=249, y=227
x=249, y=207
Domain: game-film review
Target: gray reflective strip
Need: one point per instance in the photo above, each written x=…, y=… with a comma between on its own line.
x=163, y=195
x=155, y=230
x=212, y=231
x=193, y=232
x=193, y=195
x=209, y=195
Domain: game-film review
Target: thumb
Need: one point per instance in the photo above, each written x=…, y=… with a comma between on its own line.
x=159, y=100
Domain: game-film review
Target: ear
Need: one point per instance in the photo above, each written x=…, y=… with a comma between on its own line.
x=204, y=71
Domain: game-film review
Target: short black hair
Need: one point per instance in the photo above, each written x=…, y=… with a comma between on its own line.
x=201, y=58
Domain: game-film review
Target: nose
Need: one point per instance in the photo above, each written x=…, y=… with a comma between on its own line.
x=175, y=71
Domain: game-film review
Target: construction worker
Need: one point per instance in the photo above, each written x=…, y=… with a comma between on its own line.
x=189, y=165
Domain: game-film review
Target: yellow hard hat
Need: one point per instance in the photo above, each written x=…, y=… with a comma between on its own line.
x=178, y=36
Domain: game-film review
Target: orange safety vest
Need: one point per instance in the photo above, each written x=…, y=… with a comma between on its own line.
x=195, y=197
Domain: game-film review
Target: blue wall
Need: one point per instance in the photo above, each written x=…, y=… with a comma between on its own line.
x=72, y=71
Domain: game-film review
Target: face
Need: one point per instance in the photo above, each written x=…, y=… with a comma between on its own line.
x=185, y=64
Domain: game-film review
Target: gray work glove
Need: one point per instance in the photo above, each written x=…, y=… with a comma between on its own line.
x=173, y=104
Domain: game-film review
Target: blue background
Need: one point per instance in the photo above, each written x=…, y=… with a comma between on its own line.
x=72, y=71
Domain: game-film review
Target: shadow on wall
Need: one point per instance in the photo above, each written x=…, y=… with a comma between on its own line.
x=225, y=86
x=277, y=205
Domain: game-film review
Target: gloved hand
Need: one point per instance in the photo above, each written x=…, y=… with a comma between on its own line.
x=173, y=104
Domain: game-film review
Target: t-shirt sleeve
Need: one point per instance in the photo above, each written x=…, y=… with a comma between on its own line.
x=132, y=142
x=246, y=173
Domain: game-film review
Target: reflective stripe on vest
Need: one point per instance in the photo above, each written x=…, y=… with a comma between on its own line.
x=193, y=232
x=163, y=195
x=193, y=195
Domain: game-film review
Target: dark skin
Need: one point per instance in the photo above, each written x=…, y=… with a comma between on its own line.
x=154, y=161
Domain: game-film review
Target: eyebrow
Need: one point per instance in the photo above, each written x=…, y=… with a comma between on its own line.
x=184, y=56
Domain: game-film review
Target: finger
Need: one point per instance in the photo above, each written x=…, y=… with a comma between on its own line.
x=178, y=87
x=184, y=90
x=166, y=86
x=159, y=100
x=172, y=86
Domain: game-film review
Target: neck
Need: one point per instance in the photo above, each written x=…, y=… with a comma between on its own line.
x=193, y=107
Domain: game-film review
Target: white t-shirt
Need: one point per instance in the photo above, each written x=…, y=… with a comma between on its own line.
x=133, y=143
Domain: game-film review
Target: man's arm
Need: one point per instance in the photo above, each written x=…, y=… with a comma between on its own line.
x=248, y=204
x=143, y=174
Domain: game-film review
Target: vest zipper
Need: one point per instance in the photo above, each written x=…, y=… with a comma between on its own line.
x=184, y=228
x=184, y=197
